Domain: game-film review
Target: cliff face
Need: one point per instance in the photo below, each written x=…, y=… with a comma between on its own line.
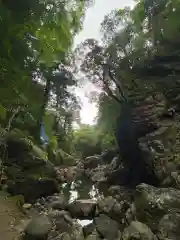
x=160, y=144
x=148, y=138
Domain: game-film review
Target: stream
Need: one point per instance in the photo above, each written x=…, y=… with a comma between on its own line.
x=82, y=189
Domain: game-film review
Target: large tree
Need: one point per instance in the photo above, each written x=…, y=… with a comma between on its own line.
x=36, y=39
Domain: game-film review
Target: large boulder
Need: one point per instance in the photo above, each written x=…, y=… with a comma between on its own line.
x=112, y=208
x=108, y=155
x=25, y=158
x=152, y=204
x=32, y=189
x=82, y=209
x=92, y=161
x=138, y=230
x=169, y=227
x=66, y=174
x=106, y=227
x=63, y=158
x=27, y=168
x=22, y=151
x=57, y=202
x=38, y=228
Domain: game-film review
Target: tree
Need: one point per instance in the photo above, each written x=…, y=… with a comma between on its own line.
x=36, y=37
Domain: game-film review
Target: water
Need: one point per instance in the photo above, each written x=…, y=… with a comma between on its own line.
x=84, y=222
x=83, y=189
x=80, y=189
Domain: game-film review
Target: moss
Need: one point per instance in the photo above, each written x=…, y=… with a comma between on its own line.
x=64, y=158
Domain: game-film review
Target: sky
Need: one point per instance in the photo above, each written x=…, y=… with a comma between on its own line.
x=91, y=29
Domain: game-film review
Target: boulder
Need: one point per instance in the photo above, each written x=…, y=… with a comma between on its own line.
x=108, y=155
x=32, y=189
x=153, y=203
x=38, y=228
x=82, y=209
x=92, y=161
x=59, y=204
x=112, y=208
x=27, y=167
x=62, y=226
x=23, y=152
x=56, y=215
x=121, y=193
x=96, y=175
x=77, y=231
x=63, y=236
x=172, y=180
x=66, y=174
x=94, y=236
x=27, y=206
x=169, y=227
x=106, y=227
x=63, y=158
x=105, y=205
x=88, y=229
x=138, y=230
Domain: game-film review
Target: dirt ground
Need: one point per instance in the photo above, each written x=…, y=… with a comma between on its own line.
x=10, y=219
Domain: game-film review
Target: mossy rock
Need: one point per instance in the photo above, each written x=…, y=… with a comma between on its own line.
x=64, y=158
x=32, y=189
x=26, y=164
x=22, y=150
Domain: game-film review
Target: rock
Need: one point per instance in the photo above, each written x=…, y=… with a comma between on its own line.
x=82, y=208
x=130, y=214
x=53, y=234
x=106, y=227
x=59, y=204
x=169, y=227
x=114, y=209
x=33, y=189
x=38, y=228
x=26, y=164
x=63, y=226
x=26, y=155
x=92, y=162
x=93, y=237
x=123, y=192
x=77, y=231
x=63, y=158
x=22, y=225
x=96, y=175
x=105, y=205
x=108, y=155
x=27, y=206
x=67, y=174
x=153, y=203
x=114, y=190
x=63, y=236
x=138, y=230
x=88, y=229
x=57, y=215
x=173, y=180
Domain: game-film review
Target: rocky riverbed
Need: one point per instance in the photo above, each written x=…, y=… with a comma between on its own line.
x=90, y=208
x=152, y=214
x=90, y=198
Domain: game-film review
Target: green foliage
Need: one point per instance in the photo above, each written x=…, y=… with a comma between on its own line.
x=90, y=140
x=86, y=141
x=137, y=58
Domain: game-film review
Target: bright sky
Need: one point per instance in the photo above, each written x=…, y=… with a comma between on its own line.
x=93, y=19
